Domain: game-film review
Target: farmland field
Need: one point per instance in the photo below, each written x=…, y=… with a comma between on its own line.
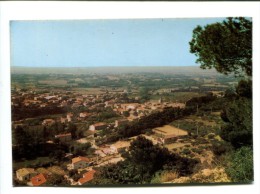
x=53, y=82
x=167, y=129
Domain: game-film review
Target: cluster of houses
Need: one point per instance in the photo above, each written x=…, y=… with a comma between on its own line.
x=40, y=176
x=76, y=100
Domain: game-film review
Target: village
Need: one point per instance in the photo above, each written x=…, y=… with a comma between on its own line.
x=71, y=129
x=103, y=154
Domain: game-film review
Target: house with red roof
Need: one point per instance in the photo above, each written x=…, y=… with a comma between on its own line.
x=38, y=180
x=88, y=176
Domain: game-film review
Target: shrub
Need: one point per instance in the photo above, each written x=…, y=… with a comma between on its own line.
x=164, y=176
x=211, y=135
x=186, y=151
x=220, y=147
x=241, y=168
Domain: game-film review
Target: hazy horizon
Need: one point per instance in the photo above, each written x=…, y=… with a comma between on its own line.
x=187, y=70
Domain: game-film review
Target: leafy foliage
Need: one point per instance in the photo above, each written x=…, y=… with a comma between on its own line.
x=141, y=164
x=241, y=168
x=220, y=147
x=238, y=123
x=56, y=180
x=226, y=46
x=244, y=88
x=151, y=121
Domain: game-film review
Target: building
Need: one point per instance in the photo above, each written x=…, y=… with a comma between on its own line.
x=25, y=174
x=66, y=137
x=84, y=114
x=69, y=117
x=120, y=146
x=38, y=180
x=80, y=162
x=107, y=150
x=110, y=103
x=98, y=126
x=49, y=97
x=48, y=122
x=100, y=153
x=168, y=134
x=121, y=122
x=88, y=176
x=160, y=100
x=63, y=119
x=131, y=106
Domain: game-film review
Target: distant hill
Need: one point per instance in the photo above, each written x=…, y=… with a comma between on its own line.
x=186, y=70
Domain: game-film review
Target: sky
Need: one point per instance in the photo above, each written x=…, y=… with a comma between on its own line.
x=95, y=43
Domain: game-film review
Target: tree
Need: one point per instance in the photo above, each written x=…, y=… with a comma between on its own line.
x=147, y=158
x=144, y=94
x=241, y=167
x=72, y=128
x=226, y=46
x=244, y=88
x=21, y=143
x=237, y=128
x=56, y=180
x=141, y=163
x=57, y=155
x=126, y=113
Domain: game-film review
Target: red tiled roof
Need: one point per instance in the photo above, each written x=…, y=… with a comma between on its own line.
x=88, y=176
x=80, y=158
x=38, y=180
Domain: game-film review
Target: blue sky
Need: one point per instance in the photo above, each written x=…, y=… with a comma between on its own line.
x=90, y=43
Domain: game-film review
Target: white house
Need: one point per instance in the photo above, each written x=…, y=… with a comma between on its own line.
x=97, y=126
x=25, y=174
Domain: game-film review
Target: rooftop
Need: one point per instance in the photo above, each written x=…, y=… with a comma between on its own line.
x=80, y=158
x=168, y=130
x=88, y=176
x=38, y=180
x=121, y=144
x=25, y=171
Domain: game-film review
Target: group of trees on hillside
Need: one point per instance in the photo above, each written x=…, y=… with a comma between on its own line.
x=31, y=142
x=141, y=163
x=227, y=47
x=147, y=123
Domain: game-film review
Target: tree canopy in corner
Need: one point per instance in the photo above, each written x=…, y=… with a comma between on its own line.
x=225, y=46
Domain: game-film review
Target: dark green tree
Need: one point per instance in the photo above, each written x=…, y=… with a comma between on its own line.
x=237, y=128
x=147, y=158
x=241, y=167
x=141, y=163
x=126, y=113
x=56, y=180
x=72, y=128
x=144, y=94
x=244, y=88
x=226, y=46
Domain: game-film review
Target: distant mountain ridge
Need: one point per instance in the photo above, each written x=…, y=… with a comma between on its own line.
x=186, y=70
